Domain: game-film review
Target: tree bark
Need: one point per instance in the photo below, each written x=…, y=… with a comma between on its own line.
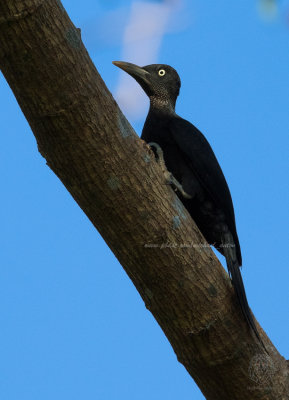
x=114, y=178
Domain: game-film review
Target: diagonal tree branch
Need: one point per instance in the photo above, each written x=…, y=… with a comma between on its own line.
x=114, y=178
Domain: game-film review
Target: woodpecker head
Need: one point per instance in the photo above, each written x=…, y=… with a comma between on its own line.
x=159, y=81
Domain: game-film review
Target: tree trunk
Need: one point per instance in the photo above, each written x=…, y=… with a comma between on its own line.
x=115, y=179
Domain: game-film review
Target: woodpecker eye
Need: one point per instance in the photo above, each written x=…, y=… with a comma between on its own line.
x=162, y=72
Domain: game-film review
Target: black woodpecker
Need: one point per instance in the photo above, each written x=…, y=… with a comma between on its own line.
x=190, y=159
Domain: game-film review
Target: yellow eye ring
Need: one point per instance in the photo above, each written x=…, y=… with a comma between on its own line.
x=162, y=72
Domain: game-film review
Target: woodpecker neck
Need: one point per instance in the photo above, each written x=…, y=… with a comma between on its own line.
x=163, y=105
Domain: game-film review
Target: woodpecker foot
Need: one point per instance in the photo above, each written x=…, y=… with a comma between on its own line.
x=169, y=178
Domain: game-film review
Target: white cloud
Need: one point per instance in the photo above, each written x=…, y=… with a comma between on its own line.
x=148, y=22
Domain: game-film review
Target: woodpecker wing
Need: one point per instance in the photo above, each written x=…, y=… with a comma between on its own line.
x=206, y=168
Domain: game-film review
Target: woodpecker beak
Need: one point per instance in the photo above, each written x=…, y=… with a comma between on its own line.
x=138, y=73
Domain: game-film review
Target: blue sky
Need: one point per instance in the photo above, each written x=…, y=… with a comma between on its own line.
x=72, y=324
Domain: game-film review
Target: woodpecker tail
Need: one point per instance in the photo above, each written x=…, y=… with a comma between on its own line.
x=235, y=274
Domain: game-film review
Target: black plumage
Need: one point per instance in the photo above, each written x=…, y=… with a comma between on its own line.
x=191, y=160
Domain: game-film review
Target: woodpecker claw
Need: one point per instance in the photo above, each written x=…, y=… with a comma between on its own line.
x=169, y=178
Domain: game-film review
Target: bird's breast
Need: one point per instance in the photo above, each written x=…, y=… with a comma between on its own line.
x=175, y=159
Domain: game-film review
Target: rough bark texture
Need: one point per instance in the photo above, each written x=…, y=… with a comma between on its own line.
x=114, y=178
